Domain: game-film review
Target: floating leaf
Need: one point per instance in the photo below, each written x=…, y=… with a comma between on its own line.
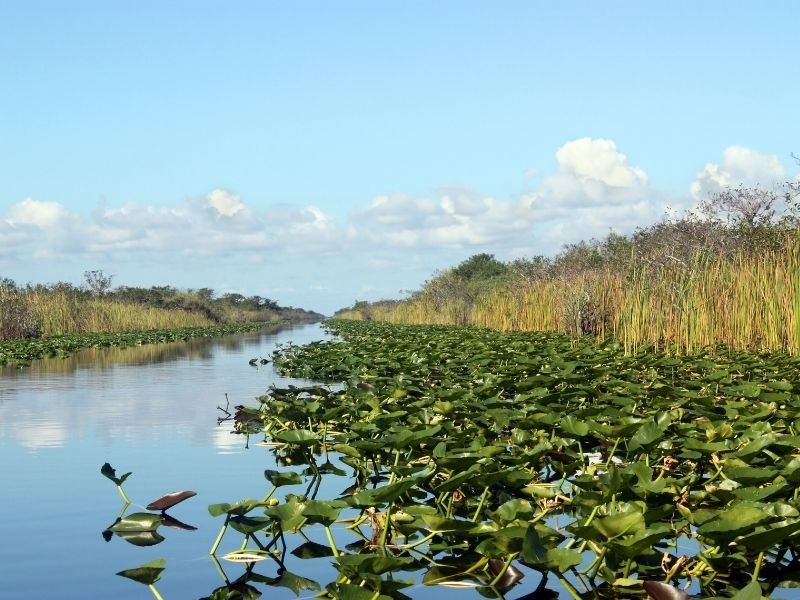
x=373, y=564
x=241, y=507
x=170, y=521
x=752, y=591
x=148, y=573
x=294, y=582
x=137, y=522
x=170, y=500
x=249, y=525
x=312, y=550
x=645, y=436
x=348, y=591
x=731, y=522
x=323, y=511
x=140, y=538
x=246, y=556
x=442, y=524
x=511, y=576
x=622, y=523
x=281, y=478
x=299, y=437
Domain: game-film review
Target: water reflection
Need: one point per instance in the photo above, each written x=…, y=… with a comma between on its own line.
x=147, y=354
x=140, y=394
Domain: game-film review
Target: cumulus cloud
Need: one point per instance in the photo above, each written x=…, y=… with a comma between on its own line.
x=219, y=224
x=41, y=214
x=593, y=189
x=455, y=217
x=597, y=160
x=225, y=204
x=739, y=166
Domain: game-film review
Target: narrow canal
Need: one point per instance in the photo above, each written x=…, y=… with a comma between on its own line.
x=151, y=410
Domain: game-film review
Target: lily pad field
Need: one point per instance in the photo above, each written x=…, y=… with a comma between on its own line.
x=532, y=462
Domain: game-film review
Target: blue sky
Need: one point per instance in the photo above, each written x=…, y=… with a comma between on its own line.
x=320, y=152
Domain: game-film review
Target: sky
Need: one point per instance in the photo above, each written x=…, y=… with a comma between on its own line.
x=322, y=152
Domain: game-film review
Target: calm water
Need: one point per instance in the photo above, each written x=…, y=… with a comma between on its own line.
x=151, y=410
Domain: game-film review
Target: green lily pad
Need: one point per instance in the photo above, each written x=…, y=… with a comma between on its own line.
x=148, y=573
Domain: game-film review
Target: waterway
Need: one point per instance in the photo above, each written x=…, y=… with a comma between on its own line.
x=151, y=410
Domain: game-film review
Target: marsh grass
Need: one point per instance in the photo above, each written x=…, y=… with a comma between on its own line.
x=62, y=313
x=748, y=302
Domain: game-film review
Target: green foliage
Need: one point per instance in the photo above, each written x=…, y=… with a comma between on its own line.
x=669, y=284
x=22, y=352
x=480, y=267
x=467, y=446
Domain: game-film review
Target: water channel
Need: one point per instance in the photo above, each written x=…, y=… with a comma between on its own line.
x=151, y=410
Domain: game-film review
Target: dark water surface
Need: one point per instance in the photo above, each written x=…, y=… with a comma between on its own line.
x=151, y=410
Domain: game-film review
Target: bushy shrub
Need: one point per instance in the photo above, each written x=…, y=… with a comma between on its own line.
x=17, y=319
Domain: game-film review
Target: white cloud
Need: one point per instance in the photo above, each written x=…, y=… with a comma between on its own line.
x=588, y=160
x=594, y=189
x=38, y=213
x=740, y=166
x=392, y=242
x=224, y=203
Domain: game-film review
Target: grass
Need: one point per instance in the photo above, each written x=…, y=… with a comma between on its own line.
x=745, y=302
x=60, y=314
x=25, y=314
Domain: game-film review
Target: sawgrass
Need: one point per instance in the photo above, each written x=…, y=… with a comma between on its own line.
x=61, y=313
x=747, y=302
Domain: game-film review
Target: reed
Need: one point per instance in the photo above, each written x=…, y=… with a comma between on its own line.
x=747, y=302
x=60, y=313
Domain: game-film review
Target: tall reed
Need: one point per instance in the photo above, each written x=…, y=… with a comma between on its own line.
x=58, y=313
x=749, y=302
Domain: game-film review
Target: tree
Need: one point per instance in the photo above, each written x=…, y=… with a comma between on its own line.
x=234, y=298
x=98, y=281
x=205, y=293
x=744, y=206
x=479, y=267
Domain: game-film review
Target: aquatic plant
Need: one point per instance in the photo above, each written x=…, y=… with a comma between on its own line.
x=148, y=574
x=604, y=470
x=22, y=352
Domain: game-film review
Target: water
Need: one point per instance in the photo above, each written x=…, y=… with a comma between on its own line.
x=151, y=410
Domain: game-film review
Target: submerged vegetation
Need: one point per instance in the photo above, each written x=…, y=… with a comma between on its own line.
x=727, y=274
x=471, y=457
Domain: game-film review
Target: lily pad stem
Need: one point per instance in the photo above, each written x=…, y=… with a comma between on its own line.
x=123, y=494
x=450, y=506
x=596, y=565
x=269, y=495
x=330, y=541
x=220, y=571
x=386, y=526
x=213, y=550
x=155, y=592
x=757, y=570
x=419, y=542
x=569, y=587
x=592, y=515
x=482, y=502
x=611, y=454
x=506, y=564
